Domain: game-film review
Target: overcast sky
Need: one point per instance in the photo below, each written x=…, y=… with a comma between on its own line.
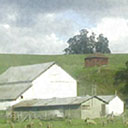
x=44, y=26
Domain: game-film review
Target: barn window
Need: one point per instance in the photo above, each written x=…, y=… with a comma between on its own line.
x=85, y=107
x=21, y=97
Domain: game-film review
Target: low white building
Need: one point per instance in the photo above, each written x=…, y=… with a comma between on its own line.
x=114, y=105
x=80, y=107
x=38, y=81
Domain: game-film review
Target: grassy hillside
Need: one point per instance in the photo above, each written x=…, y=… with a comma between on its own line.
x=102, y=77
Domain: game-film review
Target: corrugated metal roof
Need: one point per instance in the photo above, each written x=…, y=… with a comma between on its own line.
x=52, y=102
x=106, y=98
x=23, y=73
x=13, y=91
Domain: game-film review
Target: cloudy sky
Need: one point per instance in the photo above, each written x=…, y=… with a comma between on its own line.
x=44, y=26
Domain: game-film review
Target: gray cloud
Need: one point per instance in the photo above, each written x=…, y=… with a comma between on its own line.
x=42, y=38
x=28, y=10
x=44, y=26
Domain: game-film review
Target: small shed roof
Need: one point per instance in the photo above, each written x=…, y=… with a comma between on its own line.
x=25, y=73
x=97, y=55
x=12, y=92
x=106, y=98
x=52, y=102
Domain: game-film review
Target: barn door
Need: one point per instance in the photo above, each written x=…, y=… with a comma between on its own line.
x=103, y=110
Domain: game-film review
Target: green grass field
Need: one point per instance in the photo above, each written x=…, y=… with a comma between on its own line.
x=102, y=77
x=118, y=123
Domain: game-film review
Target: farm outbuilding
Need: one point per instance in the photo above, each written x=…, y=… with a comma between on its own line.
x=46, y=80
x=71, y=107
x=114, y=105
x=96, y=60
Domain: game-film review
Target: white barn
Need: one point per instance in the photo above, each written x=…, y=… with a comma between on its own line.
x=113, y=104
x=38, y=81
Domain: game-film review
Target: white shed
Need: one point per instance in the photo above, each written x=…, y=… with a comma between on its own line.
x=113, y=104
x=42, y=81
x=80, y=107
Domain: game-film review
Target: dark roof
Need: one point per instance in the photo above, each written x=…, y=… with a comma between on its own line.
x=13, y=91
x=106, y=98
x=52, y=102
x=27, y=73
x=97, y=55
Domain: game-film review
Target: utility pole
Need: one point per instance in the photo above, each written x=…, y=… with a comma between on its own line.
x=115, y=92
x=94, y=90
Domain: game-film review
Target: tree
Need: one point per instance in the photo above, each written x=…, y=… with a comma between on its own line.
x=82, y=43
x=121, y=77
x=102, y=44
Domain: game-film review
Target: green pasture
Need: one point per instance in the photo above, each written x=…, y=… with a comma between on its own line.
x=102, y=77
x=118, y=123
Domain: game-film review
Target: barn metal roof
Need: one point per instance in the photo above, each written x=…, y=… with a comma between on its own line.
x=13, y=91
x=23, y=73
x=106, y=98
x=52, y=102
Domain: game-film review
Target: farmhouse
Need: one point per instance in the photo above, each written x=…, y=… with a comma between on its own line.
x=114, y=105
x=36, y=81
x=96, y=60
x=71, y=107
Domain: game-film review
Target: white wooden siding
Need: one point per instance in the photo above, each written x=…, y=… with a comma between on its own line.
x=116, y=106
x=55, y=82
x=93, y=109
x=6, y=104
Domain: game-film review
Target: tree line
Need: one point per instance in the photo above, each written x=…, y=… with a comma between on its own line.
x=84, y=44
